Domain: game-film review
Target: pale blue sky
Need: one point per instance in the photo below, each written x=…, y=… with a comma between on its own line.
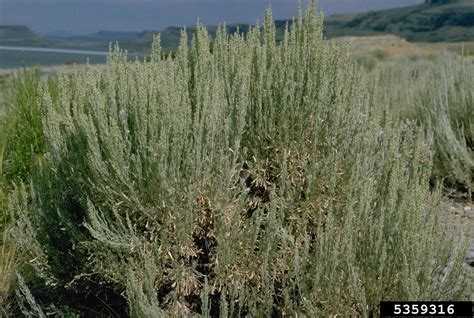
x=87, y=16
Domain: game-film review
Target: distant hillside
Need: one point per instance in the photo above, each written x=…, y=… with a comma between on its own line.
x=171, y=35
x=106, y=36
x=432, y=21
x=16, y=31
x=20, y=35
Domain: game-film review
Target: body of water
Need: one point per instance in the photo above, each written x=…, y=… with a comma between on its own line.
x=17, y=56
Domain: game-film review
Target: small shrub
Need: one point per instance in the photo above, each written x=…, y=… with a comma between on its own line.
x=365, y=60
x=437, y=95
x=380, y=54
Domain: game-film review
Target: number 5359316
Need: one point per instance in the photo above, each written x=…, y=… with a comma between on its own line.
x=430, y=309
x=426, y=308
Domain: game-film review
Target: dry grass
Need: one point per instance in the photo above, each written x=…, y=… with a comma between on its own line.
x=396, y=46
x=8, y=262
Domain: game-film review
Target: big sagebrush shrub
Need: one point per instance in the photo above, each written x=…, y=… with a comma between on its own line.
x=438, y=95
x=250, y=180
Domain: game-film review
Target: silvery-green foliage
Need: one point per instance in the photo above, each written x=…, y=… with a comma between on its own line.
x=30, y=308
x=239, y=178
x=438, y=95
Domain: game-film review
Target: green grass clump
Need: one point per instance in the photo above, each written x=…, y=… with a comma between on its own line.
x=247, y=181
x=22, y=129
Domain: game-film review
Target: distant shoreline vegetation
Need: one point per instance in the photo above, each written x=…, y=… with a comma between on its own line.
x=51, y=50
